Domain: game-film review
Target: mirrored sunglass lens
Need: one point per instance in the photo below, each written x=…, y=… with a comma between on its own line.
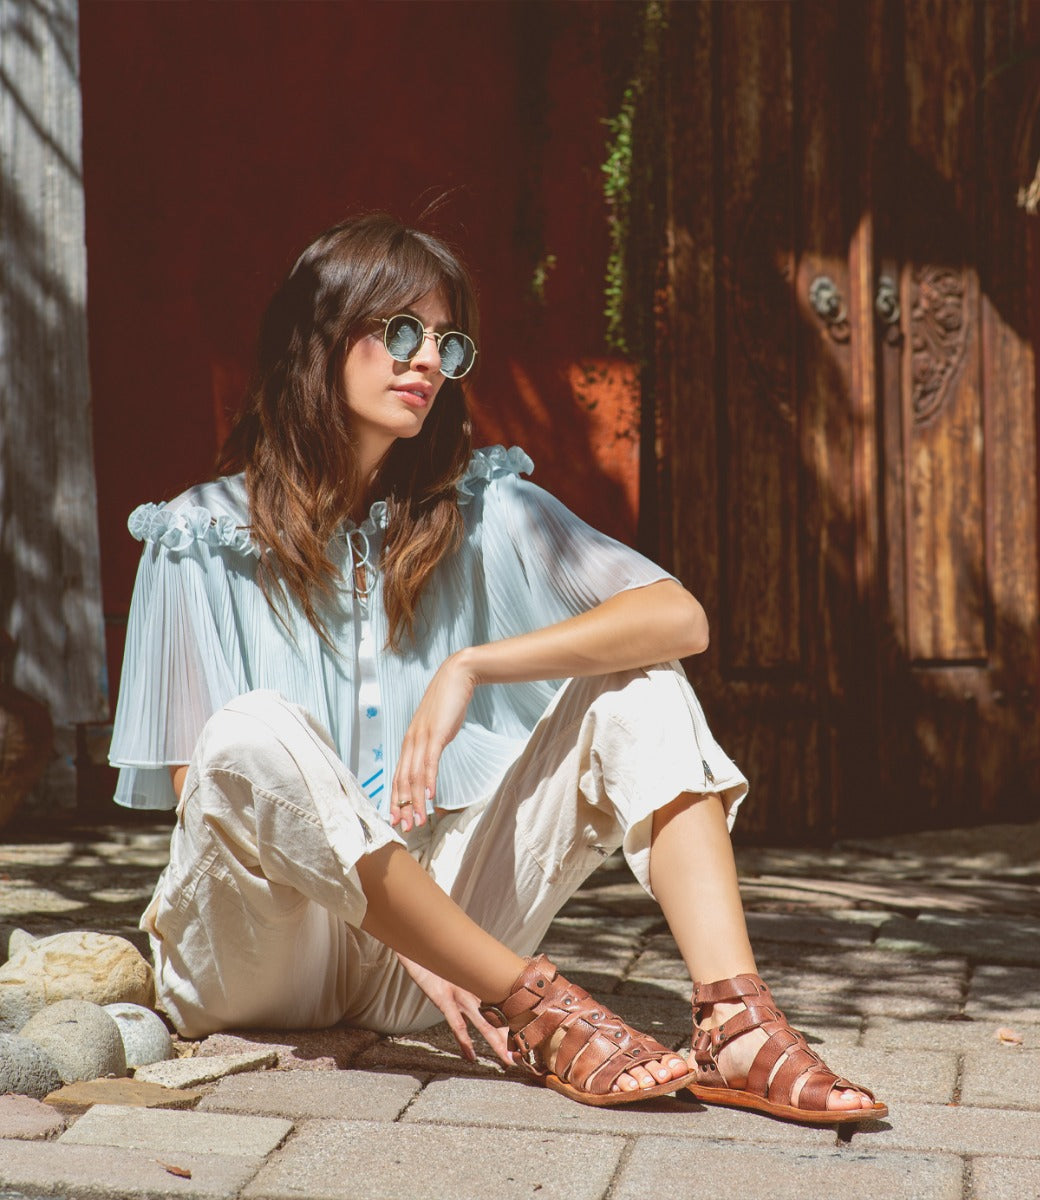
x=403, y=337
x=456, y=354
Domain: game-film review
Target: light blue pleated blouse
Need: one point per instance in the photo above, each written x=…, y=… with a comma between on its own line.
x=200, y=631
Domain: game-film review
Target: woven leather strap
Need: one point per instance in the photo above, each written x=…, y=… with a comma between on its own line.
x=558, y=1028
x=780, y=1063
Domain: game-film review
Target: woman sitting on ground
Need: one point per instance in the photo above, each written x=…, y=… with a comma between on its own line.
x=405, y=702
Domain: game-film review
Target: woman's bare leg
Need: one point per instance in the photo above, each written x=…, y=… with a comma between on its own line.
x=410, y=913
x=694, y=877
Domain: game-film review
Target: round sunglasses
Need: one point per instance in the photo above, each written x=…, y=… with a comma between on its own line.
x=404, y=334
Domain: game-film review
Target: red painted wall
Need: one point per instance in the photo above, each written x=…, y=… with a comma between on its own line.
x=219, y=137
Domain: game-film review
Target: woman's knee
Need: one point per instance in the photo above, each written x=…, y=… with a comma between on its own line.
x=258, y=730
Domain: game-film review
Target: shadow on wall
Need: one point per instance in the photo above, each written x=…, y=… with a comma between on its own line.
x=49, y=573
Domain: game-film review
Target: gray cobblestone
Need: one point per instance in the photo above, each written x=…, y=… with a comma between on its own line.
x=102, y=1173
x=329, y=1160
x=1005, y=1179
x=664, y=1168
x=346, y=1095
x=1005, y=994
x=169, y=1131
x=963, y=1129
x=942, y=934
x=1006, y=1077
x=517, y=1104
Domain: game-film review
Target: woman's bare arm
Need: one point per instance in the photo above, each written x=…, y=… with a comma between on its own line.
x=632, y=629
x=177, y=778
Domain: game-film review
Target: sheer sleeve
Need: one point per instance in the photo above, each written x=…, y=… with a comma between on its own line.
x=544, y=564
x=181, y=662
x=540, y=564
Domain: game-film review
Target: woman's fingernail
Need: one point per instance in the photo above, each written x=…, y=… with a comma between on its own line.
x=429, y=793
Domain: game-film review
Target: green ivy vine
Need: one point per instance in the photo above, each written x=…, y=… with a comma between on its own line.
x=618, y=177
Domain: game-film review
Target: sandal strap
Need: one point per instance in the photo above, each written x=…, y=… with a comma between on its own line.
x=782, y=1060
x=731, y=991
x=596, y=1047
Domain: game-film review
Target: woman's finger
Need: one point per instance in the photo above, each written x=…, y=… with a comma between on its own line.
x=460, y=1030
x=497, y=1039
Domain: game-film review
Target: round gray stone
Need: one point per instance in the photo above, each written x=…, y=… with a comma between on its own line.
x=25, y=1068
x=145, y=1038
x=81, y=1038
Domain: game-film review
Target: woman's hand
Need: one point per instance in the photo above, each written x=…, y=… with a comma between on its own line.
x=458, y=1007
x=436, y=721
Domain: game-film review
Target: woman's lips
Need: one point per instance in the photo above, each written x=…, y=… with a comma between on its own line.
x=416, y=397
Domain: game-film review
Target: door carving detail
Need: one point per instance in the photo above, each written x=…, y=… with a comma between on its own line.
x=938, y=336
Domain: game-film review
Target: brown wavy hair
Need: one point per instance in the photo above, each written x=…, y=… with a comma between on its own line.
x=293, y=437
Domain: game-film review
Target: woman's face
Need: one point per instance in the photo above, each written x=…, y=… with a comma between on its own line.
x=386, y=399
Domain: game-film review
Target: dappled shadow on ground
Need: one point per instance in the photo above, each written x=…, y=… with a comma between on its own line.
x=99, y=877
x=932, y=926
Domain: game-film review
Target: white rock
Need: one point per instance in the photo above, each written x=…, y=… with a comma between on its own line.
x=18, y=941
x=80, y=1038
x=145, y=1038
x=98, y=967
x=187, y=1072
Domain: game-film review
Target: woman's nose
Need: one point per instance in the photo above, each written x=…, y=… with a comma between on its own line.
x=427, y=357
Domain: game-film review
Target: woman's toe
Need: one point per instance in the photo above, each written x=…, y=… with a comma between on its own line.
x=677, y=1067
x=847, y=1098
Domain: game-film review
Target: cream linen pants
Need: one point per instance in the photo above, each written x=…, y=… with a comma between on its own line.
x=256, y=920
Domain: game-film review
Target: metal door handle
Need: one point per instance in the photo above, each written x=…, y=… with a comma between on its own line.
x=829, y=305
x=886, y=305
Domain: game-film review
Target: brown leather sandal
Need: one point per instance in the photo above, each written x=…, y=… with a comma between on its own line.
x=574, y=1045
x=783, y=1060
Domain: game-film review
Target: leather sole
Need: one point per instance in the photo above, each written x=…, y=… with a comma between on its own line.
x=610, y=1099
x=734, y=1098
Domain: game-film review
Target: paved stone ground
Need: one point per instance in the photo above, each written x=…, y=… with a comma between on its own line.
x=912, y=962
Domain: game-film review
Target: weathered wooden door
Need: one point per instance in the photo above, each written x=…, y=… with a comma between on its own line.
x=845, y=399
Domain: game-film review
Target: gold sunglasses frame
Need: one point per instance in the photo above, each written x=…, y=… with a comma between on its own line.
x=437, y=339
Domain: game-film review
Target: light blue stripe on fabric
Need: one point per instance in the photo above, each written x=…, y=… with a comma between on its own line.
x=372, y=795
x=372, y=778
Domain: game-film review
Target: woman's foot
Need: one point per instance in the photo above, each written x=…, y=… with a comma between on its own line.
x=735, y=1061
x=580, y=1048
x=747, y=1056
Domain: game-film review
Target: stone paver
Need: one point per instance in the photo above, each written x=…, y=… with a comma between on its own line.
x=927, y=1076
x=101, y=1173
x=432, y=1051
x=899, y=959
x=516, y=1104
x=297, y=1049
x=885, y=1034
x=165, y=1131
x=344, y=1095
x=667, y=1169
x=1004, y=1179
x=1005, y=994
x=1007, y=1077
x=189, y=1072
x=932, y=933
x=810, y=929
x=330, y=1160
x=27, y=1119
x=851, y=981
x=963, y=1129
x=78, y=1097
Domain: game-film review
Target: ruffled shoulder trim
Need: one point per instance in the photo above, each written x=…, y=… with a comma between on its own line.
x=492, y=462
x=176, y=529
